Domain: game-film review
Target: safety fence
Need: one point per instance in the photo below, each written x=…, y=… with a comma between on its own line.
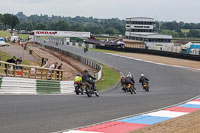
x=41, y=60
x=173, y=51
x=153, y=52
x=62, y=41
x=82, y=59
x=25, y=71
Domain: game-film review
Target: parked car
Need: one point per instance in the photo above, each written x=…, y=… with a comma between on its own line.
x=2, y=42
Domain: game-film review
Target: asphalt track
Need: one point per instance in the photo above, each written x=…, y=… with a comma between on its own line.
x=42, y=113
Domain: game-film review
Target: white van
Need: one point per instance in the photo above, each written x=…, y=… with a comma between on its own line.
x=14, y=38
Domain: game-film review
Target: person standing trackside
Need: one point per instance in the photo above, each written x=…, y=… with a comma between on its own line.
x=60, y=67
x=53, y=66
x=18, y=62
x=12, y=60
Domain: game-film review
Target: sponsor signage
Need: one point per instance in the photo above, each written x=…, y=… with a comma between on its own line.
x=62, y=33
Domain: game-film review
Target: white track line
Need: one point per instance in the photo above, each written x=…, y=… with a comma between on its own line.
x=162, y=64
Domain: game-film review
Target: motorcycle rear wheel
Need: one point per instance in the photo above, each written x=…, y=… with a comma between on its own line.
x=88, y=92
x=77, y=90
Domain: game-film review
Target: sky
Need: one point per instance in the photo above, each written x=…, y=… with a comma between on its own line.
x=161, y=10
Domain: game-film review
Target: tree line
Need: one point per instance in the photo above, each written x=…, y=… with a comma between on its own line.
x=180, y=29
x=8, y=21
x=112, y=26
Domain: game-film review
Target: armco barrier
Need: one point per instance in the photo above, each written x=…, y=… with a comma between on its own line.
x=37, y=56
x=153, y=52
x=84, y=60
x=61, y=41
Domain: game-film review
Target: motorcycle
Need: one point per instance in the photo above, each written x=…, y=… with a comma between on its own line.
x=146, y=86
x=131, y=88
x=87, y=88
x=78, y=88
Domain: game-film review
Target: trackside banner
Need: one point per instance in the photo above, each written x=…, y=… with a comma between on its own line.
x=61, y=33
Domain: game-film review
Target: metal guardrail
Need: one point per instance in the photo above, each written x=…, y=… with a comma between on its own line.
x=37, y=56
x=25, y=71
x=153, y=52
x=82, y=59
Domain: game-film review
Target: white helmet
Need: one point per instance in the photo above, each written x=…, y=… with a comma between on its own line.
x=142, y=75
x=129, y=75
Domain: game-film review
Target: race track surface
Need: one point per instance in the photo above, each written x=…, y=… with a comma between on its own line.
x=42, y=113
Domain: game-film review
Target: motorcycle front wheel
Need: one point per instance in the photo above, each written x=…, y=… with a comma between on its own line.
x=97, y=93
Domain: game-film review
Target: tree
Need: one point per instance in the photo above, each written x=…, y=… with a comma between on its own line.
x=111, y=31
x=10, y=20
x=62, y=26
x=1, y=21
x=41, y=26
x=194, y=33
x=13, y=22
x=25, y=26
x=21, y=15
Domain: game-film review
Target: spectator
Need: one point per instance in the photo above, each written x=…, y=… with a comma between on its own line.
x=18, y=62
x=54, y=65
x=12, y=60
x=60, y=67
x=43, y=61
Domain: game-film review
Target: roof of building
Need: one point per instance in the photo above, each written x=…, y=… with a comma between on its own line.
x=182, y=42
x=140, y=19
x=151, y=35
x=128, y=40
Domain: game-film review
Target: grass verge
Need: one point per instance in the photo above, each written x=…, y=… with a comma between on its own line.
x=48, y=87
x=23, y=36
x=4, y=56
x=5, y=34
x=109, y=78
x=103, y=51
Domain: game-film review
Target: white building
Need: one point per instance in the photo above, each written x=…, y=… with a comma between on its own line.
x=144, y=29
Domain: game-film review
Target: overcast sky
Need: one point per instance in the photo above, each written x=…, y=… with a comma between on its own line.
x=161, y=10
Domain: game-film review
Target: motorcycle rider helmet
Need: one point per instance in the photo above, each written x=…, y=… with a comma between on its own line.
x=142, y=75
x=85, y=71
x=129, y=75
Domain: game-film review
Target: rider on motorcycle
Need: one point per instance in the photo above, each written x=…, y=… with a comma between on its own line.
x=123, y=80
x=78, y=78
x=129, y=79
x=143, y=79
x=86, y=77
